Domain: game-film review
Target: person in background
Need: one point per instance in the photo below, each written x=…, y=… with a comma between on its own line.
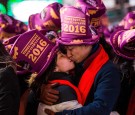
x=48, y=18
x=97, y=78
x=123, y=44
x=95, y=9
x=10, y=27
x=9, y=85
x=122, y=57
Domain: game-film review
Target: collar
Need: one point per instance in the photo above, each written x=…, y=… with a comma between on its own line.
x=90, y=58
x=60, y=76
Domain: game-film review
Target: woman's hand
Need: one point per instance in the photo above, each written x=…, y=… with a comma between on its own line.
x=49, y=95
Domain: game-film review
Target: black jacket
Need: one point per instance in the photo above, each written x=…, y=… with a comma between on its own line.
x=9, y=92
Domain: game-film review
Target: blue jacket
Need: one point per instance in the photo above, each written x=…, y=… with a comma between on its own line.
x=103, y=94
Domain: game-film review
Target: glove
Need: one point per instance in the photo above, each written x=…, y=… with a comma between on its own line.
x=48, y=95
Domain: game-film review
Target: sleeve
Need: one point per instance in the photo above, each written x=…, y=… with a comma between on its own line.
x=66, y=93
x=68, y=105
x=107, y=88
x=9, y=92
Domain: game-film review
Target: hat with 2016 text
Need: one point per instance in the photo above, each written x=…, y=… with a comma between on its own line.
x=76, y=29
x=33, y=52
x=95, y=8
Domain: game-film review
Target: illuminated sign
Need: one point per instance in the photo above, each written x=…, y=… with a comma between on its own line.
x=2, y=9
x=22, y=9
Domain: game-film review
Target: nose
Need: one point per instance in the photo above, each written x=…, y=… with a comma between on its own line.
x=69, y=55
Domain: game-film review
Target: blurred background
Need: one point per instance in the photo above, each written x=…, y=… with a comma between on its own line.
x=21, y=9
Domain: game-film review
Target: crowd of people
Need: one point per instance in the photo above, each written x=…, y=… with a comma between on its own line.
x=67, y=61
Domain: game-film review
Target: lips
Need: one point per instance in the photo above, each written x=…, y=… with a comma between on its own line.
x=71, y=59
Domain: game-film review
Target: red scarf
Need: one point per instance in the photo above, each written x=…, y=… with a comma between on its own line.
x=89, y=75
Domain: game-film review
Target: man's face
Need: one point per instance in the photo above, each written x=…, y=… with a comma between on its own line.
x=78, y=53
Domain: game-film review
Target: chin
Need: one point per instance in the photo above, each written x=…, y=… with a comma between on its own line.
x=78, y=61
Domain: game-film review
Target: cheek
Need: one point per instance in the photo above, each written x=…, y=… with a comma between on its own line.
x=79, y=57
x=66, y=66
x=75, y=54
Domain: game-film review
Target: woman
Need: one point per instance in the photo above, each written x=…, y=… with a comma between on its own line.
x=59, y=71
x=9, y=86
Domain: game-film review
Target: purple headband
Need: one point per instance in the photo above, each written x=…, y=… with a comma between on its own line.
x=95, y=8
x=10, y=26
x=128, y=22
x=49, y=18
x=75, y=27
x=33, y=52
x=123, y=42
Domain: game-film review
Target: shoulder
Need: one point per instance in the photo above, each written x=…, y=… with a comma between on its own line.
x=109, y=67
x=109, y=71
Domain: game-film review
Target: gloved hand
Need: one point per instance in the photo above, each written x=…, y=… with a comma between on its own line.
x=49, y=95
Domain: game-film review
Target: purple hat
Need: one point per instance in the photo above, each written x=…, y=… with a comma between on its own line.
x=128, y=22
x=123, y=43
x=75, y=27
x=95, y=8
x=49, y=18
x=10, y=26
x=107, y=31
x=8, y=43
x=33, y=52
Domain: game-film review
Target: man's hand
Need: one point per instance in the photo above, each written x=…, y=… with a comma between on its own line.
x=49, y=112
x=48, y=95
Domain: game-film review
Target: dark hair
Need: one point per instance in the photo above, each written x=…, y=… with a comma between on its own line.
x=5, y=58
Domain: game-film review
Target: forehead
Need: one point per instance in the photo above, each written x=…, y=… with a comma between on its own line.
x=60, y=54
x=64, y=48
x=67, y=47
x=74, y=47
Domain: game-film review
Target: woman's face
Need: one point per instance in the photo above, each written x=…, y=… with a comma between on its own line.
x=63, y=63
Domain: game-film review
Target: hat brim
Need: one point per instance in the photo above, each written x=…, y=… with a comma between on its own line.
x=116, y=48
x=33, y=22
x=78, y=41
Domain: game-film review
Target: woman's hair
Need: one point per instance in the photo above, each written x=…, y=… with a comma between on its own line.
x=44, y=78
x=5, y=58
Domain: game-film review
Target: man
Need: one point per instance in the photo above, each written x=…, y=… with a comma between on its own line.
x=96, y=77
